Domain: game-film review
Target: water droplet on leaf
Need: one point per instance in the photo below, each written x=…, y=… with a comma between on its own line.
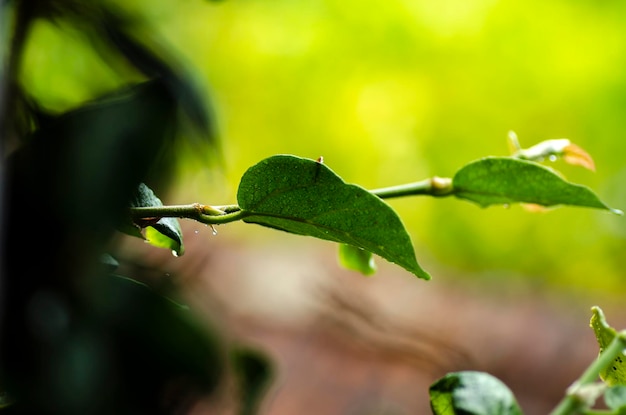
x=552, y=157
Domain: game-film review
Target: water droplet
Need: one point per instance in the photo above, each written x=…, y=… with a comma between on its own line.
x=196, y=231
x=175, y=253
x=213, y=230
x=552, y=157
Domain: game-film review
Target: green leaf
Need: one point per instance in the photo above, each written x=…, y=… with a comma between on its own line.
x=157, y=336
x=109, y=262
x=504, y=180
x=357, y=259
x=615, y=397
x=254, y=374
x=472, y=393
x=166, y=232
x=616, y=373
x=305, y=197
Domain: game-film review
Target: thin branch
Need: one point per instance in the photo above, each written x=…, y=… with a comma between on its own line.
x=435, y=186
x=210, y=215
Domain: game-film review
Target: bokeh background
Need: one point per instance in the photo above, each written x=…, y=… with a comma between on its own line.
x=390, y=92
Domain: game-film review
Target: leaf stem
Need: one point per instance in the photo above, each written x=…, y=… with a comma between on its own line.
x=216, y=215
x=575, y=399
x=207, y=214
x=434, y=186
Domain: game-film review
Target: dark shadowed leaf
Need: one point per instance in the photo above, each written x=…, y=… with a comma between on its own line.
x=109, y=263
x=504, y=180
x=158, y=342
x=254, y=373
x=305, y=197
x=357, y=259
x=472, y=393
x=80, y=170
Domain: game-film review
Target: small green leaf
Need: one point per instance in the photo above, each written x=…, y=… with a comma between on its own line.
x=305, y=197
x=5, y=400
x=254, y=372
x=166, y=232
x=357, y=259
x=109, y=262
x=616, y=373
x=472, y=393
x=504, y=180
x=615, y=397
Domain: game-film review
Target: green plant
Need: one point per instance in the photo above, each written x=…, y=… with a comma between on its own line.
x=480, y=393
x=305, y=197
x=77, y=338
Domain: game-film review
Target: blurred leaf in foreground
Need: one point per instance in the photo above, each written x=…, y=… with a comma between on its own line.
x=472, y=393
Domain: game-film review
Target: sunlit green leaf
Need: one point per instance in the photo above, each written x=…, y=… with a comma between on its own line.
x=472, y=393
x=616, y=373
x=305, y=197
x=357, y=259
x=504, y=180
x=166, y=233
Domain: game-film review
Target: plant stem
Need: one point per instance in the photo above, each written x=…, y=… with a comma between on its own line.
x=202, y=213
x=574, y=401
x=216, y=215
x=435, y=186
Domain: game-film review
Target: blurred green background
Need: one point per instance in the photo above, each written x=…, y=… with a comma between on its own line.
x=395, y=91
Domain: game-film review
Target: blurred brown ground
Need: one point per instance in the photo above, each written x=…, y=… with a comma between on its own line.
x=346, y=344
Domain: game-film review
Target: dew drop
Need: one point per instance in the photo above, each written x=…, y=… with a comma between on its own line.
x=213, y=230
x=552, y=157
x=196, y=231
x=175, y=253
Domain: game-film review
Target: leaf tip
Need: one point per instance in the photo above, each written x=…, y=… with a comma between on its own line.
x=420, y=273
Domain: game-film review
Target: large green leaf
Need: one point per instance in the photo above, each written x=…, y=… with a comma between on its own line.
x=472, y=393
x=305, y=197
x=503, y=180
